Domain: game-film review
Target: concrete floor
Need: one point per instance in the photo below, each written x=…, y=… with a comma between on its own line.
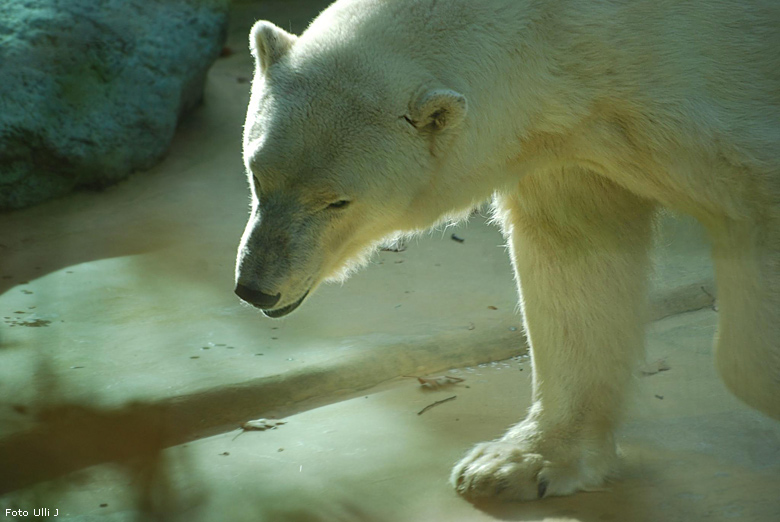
x=120, y=337
x=692, y=453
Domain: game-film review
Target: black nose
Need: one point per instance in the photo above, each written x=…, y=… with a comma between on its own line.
x=256, y=297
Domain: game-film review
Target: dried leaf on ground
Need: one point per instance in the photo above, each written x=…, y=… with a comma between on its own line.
x=262, y=424
x=651, y=368
x=437, y=382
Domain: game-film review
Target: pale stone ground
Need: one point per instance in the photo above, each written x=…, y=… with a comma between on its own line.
x=692, y=453
x=121, y=336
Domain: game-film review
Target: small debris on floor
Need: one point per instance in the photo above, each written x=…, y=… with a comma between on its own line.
x=651, y=368
x=714, y=300
x=457, y=238
x=471, y=326
x=76, y=367
x=262, y=424
x=195, y=357
x=491, y=307
x=259, y=425
x=435, y=383
x=33, y=323
x=659, y=397
x=224, y=454
x=103, y=505
x=436, y=404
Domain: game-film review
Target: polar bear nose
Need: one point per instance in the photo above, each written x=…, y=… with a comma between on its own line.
x=256, y=297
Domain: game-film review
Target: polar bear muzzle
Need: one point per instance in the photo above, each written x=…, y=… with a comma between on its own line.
x=266, y=302
x=281, y=312
x=256, y=297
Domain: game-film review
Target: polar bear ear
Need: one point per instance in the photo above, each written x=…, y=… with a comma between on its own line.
x=269, y=43
x=438, y=109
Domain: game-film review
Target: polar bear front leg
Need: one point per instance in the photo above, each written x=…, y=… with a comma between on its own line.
x=580, y=250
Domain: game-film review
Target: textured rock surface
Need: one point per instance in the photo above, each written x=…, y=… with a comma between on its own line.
x=91, y=90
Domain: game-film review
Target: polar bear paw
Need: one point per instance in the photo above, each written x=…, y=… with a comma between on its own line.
x=512, y=469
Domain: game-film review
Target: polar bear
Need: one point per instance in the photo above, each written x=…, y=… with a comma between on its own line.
x=580, y=119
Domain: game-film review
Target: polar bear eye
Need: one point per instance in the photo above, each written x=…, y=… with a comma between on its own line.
x=339, y=204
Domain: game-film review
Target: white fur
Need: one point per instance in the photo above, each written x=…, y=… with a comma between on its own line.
x=581, y=118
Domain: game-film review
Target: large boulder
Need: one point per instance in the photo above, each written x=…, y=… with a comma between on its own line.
x=91, y=90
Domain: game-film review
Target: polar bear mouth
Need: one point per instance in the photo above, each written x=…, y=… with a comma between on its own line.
x=281, y=312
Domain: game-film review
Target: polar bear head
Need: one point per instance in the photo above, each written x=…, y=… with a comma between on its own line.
x=345, y=142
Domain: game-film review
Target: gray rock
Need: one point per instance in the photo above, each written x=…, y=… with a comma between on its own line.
x=92, y=90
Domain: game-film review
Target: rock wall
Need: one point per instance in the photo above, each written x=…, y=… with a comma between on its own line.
x=92, y=90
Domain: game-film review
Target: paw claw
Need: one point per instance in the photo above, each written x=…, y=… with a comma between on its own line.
x=521, y=466
x=542, y=487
